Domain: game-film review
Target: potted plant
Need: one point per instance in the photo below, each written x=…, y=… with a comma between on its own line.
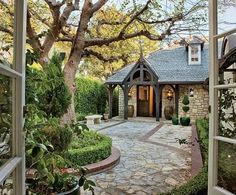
x=175, y=119
x=185, y=121
x=106, y=112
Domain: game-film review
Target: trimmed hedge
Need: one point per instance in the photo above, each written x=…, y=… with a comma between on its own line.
x=90, y=97
x=196, y=186
x=95, y=151
x=202, y=130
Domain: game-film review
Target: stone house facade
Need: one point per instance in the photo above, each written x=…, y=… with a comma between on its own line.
x=161, y=80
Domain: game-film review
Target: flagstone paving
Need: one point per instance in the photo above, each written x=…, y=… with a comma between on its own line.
x=151, y=160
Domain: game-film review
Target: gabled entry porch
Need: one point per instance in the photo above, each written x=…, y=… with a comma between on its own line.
x=142, y=81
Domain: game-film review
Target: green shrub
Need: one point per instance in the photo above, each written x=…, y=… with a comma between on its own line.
x=80, y=116
x=90, y=96
x=202, y=130
x=46, y=88
x=197, y=185
x=93, y=147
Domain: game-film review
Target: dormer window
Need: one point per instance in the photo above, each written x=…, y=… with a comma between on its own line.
x=194, y=54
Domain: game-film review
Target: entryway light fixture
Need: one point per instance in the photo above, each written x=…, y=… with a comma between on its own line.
x=191, y=92
x=170, y=95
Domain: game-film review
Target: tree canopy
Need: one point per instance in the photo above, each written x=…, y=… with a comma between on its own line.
x=95, y=28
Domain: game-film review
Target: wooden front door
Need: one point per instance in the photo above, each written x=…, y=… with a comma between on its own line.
x=143, y=101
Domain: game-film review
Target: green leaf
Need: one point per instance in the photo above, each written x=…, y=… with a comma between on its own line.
x=35, y=151
x=81, y=181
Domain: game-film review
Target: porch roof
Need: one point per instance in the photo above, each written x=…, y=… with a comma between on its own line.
x=171, y=66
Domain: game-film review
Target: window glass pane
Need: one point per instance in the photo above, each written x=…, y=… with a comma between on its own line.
x=5, y=118
x=227, y=113
x=6, y=32
x=226, y=15
x=6, y=187
x=227, y=166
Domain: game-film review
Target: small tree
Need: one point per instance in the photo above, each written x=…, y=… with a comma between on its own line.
x=185, y=102
x=185, y=120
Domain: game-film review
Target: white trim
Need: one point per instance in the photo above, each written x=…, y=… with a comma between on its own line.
x=225, y=139
x=228, y=86
x=190, y=62
x=8, y=168
x=213, y=101
x=225, y=33
x=19, y=101
x=214, y=87
x=221, y=191
x=9, y=72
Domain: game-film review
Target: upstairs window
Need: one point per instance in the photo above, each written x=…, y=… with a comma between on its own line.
x=195, y=54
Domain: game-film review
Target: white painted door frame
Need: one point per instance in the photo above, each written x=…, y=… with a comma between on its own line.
x=214, y=88
x=16, y=165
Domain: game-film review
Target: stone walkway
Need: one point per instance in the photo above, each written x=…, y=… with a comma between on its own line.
x=151, y=160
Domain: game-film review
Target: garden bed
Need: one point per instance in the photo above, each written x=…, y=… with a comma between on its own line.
x=89, y=147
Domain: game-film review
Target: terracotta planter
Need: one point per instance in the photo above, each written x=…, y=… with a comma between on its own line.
x=130, y=110
x=168, y=112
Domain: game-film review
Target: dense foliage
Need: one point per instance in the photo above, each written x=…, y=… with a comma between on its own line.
x=89, y=147
x=46, y=144
x=90, y=97
x=46, y=88
x=227, y=168
x=196, y=186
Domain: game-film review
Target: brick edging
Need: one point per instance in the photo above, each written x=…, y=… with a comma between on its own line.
x=197, y=162
x=105, y=164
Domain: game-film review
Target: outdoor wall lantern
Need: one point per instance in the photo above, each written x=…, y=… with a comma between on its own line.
x=191, y=92
x=170, y=95
x=130, y=94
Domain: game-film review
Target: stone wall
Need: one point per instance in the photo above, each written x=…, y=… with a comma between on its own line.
x=132, y=100
x=199, y=103
x=165, y=101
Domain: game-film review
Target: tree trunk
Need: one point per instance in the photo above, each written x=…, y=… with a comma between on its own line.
x=74, y=59
x=69, y=76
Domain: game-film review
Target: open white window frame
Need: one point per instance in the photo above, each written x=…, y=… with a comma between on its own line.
x=16, y=165
x=214, y=88
x=190, y=62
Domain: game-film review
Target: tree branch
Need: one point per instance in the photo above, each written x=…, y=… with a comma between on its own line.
x=135, y=16
x=107, y=41
x=4, y=4
x=98, y=5
x=88, y=52
x=6, y=30
x=33, y=38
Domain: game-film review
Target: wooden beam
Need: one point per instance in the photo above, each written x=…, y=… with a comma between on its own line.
x=110, y=95
x=157, y=93
x=177, y=99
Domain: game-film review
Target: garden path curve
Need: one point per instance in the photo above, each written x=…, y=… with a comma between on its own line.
x=151, y=160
